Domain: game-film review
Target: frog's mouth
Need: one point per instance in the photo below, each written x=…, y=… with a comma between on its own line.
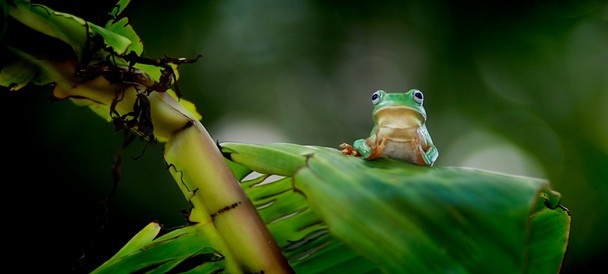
x=399, y=117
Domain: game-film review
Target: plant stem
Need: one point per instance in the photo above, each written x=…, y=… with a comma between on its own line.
x=197, y=166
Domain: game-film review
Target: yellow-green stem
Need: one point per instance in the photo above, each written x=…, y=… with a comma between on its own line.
x=197, y=166
x=218, y=197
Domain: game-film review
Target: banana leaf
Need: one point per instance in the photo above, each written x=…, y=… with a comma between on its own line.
x=335, y=213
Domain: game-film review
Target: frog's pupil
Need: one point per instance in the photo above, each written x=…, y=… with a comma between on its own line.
x=418, y=95
x=374, y=96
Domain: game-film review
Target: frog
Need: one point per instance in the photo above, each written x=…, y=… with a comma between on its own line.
x=399, y=130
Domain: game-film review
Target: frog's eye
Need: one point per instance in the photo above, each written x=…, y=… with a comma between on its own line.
x=418, y=96
x=376, y=97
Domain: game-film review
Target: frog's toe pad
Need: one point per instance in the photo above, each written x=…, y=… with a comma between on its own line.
x=348, y=149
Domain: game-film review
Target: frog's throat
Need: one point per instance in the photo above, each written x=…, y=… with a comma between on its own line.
x=399, y=117
x=400, y=135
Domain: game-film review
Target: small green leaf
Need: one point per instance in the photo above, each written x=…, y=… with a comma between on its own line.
x=125, y=30
x=17, y=74
x=23, y=70
x=141, y=239
x=181, y=250
x=119, y=7
x=117, y=42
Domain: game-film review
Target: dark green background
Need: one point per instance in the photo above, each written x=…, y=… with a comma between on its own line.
x=516, y=87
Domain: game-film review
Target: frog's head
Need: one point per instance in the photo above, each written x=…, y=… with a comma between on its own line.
x=406, y=105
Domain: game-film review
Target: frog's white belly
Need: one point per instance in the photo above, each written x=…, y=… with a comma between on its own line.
x=399, y=150
x=399, y=143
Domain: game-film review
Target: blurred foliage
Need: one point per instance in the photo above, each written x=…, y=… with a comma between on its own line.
x=517, y=87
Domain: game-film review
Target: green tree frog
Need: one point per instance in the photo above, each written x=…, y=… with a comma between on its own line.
x=399, y=130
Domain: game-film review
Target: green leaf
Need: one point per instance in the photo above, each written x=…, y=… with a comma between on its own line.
x=119, y=34
x=125, y=30
x=405, y=218
x=23, y=70
x=73, y=30
x=65, y=27
x=299, y=231
x=285, y=162
x=117, y=42
x=140, y=240
x=18, y=74
x=181, y=250
x=119, y=7
x=549, y=229
x=334, y=213
x=4, y=14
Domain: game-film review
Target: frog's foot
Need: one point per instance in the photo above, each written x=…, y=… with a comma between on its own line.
x=349, y=150
x=421, y=153
x=378, y=148
x=382, y=143
x=429, y=155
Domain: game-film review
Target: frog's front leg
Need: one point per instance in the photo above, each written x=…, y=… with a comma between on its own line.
x=369, y=149
x=349, y=150
x=426, y=152
x=359, y=148
x=429, y=156
x=375, y=147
